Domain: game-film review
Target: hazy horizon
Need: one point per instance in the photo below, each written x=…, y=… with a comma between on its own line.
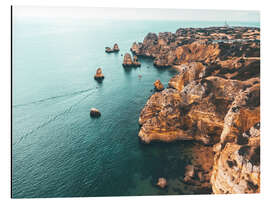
x=137, y=13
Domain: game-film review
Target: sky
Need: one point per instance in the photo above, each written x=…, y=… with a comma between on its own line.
x=137, y=13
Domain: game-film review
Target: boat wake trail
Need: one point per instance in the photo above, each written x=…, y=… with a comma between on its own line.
x=52, y=98
x=55, y=117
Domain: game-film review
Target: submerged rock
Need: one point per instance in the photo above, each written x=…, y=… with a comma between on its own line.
x=99, y=75
x=95, y=113
x=162, y=183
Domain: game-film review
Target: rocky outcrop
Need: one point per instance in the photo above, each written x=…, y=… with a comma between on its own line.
x=95, y=113
x=237, y=159
x=158, y=85
x=114, y=49
x=162, y=183
x=128, y=62
x=99, y=75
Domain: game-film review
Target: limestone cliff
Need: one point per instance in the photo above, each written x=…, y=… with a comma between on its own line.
x=214, y=99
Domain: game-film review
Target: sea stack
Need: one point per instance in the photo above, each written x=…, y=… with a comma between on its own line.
x=99, y=75
x=162, y=183
x=158, y=85
x=95, y=113
x=128, y=62
x=135, y=48
x=136, y=63
x=114, y=49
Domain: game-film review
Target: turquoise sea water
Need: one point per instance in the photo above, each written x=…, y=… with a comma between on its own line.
x=58, y=150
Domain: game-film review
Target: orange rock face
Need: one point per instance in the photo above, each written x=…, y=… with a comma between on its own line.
x=187, y=73
x=158, y=85
x=197, y=51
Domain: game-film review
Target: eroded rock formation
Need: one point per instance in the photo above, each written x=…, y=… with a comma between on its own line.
x=128, y=62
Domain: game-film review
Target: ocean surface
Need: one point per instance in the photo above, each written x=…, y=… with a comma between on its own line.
x=58, y=150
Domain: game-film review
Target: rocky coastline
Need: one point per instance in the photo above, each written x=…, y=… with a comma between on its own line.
x=214, y=99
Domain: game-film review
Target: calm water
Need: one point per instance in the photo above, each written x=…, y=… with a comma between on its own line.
x=58, y=150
